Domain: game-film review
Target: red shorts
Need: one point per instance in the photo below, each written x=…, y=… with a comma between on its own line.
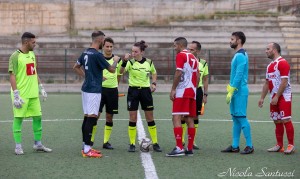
x=184, y=106
x=283, y=109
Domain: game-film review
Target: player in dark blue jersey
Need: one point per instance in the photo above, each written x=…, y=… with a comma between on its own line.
x=93, y=63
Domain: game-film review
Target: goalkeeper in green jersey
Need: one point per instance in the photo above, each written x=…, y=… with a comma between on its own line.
x=110, y=92
x=25, y=88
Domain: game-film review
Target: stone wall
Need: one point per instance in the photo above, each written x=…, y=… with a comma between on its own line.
x=67, y=16
x=37, y=17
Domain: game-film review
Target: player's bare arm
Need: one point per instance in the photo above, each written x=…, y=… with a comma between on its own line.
x=263, y=94
x=78, y=70
x=153, y=84
x=112, y=68
x=205, y=88
x=283, y=84
x=176, y=81
x=125, y=60
x=12, y=79
x=198, y=77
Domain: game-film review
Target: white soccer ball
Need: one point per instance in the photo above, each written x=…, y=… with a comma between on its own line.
x=145, y=145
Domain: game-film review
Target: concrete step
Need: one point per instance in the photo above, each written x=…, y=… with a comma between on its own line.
x=204, y=28
x=242, y=17
x=292, y=35
x=293, y=47
x=294, y=52
x=218, y=23
x=289, y=24
x=288, y=18
x=290, y=29
x=214, y=33
x=293, y=41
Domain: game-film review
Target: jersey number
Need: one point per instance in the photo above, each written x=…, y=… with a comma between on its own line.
x=86, y=59
x=194, y=63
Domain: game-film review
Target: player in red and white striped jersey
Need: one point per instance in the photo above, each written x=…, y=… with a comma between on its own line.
x=183, y=95
x=278, y=84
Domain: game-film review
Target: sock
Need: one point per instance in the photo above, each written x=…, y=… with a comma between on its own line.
x=183, y=125
x=132, y=132
x=82, y=127
x=279, y=132
x=191, y=136
x=93, y=133
x=107, y=131
x=38, y=142
x=86, y=148
x=289, y=128
x=236, y=132
x=37, y=127
x=196, y=124
x=88, y=130
x=17, y=129
x=178, y=136
x=246, y=130
x=18, y=145
x=152, y=131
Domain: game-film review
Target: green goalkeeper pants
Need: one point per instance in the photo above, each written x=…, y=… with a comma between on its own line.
x=36, y=126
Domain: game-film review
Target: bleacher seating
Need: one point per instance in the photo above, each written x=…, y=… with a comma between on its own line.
x=57, y=54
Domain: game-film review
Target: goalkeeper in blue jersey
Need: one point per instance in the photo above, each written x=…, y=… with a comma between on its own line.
x=237, y=95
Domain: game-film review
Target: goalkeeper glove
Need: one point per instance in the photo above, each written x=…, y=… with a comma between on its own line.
x=43, y=92
x=17, y=99
x=230, y=91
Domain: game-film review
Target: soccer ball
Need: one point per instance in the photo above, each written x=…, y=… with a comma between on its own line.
x=145, y=145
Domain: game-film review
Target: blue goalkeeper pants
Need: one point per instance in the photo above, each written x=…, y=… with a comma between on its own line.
x=238, y=110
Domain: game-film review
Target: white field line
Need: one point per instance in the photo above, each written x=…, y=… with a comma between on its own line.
x=204, y=120
x=147, y=162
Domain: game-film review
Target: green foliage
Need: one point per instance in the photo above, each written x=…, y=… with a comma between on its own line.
x=219, y=14
x=141, y=23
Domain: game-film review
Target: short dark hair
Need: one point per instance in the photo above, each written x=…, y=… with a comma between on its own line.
x=277, y=47
x=27, y=35
x=108, y=39
x=240, y=35
x=141, y=44
x=182, y=41
x=197, y=44
x=97, y=34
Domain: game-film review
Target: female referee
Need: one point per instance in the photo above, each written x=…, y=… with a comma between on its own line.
x=139, y=91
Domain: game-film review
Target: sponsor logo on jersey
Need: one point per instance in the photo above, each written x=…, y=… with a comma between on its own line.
x=30, y=70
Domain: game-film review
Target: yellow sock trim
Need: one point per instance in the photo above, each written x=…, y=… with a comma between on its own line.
x=107, y=133
x=183, y=131
x=132, y=134
x=196, y=129
x=93, y=133
x=153, y=133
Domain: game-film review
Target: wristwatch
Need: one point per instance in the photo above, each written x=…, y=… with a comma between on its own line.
x=205, y=94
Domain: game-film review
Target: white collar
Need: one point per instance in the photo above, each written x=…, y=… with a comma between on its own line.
x=277, y=59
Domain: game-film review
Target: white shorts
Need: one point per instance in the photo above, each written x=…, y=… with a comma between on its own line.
x=90, y=103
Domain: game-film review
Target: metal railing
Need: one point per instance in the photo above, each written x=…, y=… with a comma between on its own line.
x=58, y=67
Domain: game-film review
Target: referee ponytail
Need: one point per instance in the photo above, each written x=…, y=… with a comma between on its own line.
x=142, y=45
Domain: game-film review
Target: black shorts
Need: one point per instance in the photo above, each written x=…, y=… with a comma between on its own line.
x=142, y=95
x=110, y=99
x=199, y=99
